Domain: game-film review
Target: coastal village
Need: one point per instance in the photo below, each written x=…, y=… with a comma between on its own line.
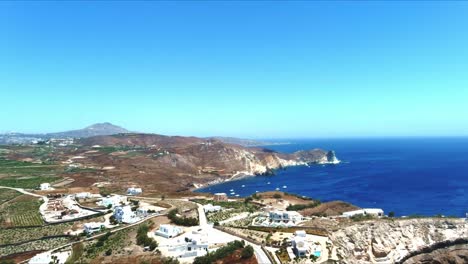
x=60, y=203
x=264, y=221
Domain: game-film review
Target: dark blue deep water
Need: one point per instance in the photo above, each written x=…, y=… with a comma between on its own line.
x=409, y=176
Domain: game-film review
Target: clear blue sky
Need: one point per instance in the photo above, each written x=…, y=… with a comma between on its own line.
x=247, y=69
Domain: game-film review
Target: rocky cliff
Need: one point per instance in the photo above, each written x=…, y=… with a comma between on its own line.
x=388, y=241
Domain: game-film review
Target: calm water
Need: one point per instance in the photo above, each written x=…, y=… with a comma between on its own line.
x=425, y=176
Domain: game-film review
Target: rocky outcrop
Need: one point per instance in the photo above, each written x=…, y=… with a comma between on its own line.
x=455, y=252
x=388, y=241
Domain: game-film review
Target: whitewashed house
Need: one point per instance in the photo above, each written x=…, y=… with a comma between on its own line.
x=92, y=227
x=142, y=212
x=300, y=245
x=208, y=208
x=45, y=186
x=113, y=201
x=82, y=195
x=197, y=244
x=288, y=218
x=124, y=214
x=168, y=231
x=376, y=212
x=134, y=191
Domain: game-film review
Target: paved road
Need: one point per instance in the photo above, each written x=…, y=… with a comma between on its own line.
x=202, y=216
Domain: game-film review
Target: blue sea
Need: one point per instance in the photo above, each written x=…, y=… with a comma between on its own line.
x=425, y=176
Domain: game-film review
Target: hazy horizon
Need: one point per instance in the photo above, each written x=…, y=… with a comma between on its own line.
x=276, y=139
x=238, y=69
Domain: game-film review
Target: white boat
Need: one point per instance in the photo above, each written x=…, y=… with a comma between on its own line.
x=268, y=182
x=256, y=191
x=277, y=189
x=243, y=186
x=284, y=186
x=233, y=193
x=237, y=195
x=231, y=190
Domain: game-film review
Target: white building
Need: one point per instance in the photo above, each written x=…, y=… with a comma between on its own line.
x=124, y=214
x=208, y=208
x=45, y=186
x=300, y=245
x=141, y=212
x=366, y=211
x=92, y=227
x=197, y=244
x=168, y=231
x=220, y=197
x=114, y=200
x=134, y=191
x=82, y=195
x=288, y=218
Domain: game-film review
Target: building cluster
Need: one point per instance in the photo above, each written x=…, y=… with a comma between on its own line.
x=191, y=244
x=59, y=208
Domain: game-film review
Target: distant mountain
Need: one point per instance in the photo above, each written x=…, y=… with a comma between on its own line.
x=99, y=129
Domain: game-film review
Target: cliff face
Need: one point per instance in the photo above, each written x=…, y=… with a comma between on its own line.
x=389, y=241
x=178, y=163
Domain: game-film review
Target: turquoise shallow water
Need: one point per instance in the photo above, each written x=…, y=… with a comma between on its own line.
x=424, y=176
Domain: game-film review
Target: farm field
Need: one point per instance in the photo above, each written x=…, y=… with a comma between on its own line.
x=26, y=182
x=229, y=210
x=20, y=235
x=7, y=194
x=19, y=168
x=20, y=212
x=34, y=245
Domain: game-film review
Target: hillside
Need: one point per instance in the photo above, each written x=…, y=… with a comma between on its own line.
x=90, y=131
x=161, y=163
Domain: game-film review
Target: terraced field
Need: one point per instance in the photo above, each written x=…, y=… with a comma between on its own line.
x=20, y=235
x=23, y=174
x=20, y=212
x=7, y=194
x=36, y=245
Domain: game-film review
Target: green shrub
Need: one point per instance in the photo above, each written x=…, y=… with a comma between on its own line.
x=247, y=252
x=183, y=221
x=143, y=239
x=220, y=253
